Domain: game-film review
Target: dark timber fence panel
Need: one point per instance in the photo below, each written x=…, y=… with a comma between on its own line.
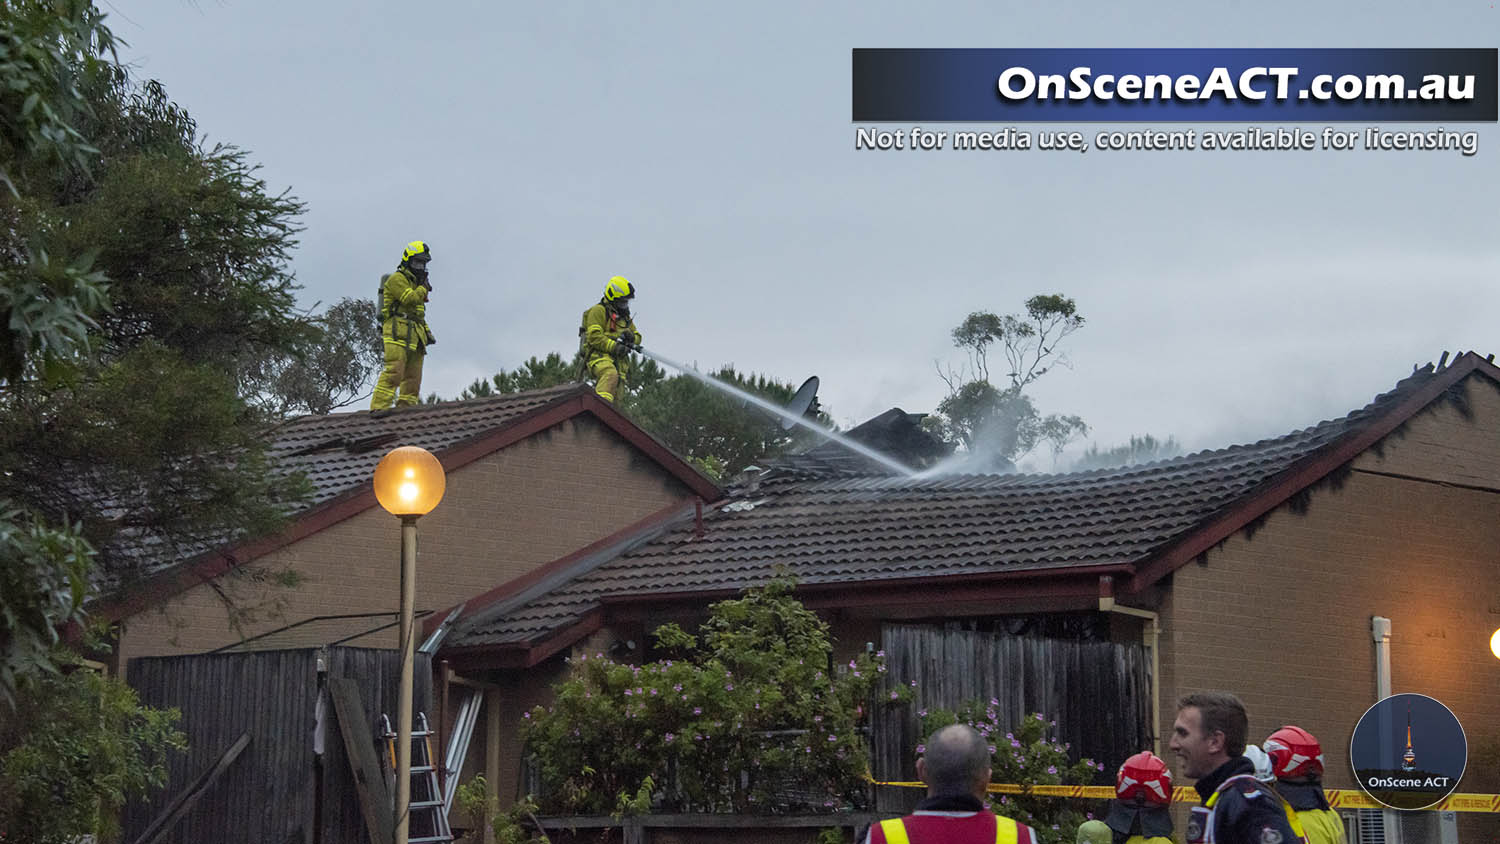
x=1098, y=692
x=270, y=794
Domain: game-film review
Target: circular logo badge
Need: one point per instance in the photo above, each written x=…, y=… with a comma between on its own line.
x=1409, y=752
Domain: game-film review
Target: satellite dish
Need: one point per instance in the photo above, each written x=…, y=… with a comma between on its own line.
x=807, y=394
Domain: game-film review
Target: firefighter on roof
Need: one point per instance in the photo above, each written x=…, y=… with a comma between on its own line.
x=608, y=336
x=403, y=328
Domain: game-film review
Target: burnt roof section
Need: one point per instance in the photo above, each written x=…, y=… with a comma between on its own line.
x=863, y=530
x=894, y=433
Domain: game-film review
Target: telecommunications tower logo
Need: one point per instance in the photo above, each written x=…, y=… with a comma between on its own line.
x=1409, y=751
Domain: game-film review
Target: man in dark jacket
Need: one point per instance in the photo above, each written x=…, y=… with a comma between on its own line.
x=1208, y=739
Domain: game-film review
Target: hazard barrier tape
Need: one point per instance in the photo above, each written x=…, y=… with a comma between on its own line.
x=1338, y=798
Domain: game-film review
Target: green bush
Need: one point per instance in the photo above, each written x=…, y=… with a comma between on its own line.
x=750, y=720
x=77, y=747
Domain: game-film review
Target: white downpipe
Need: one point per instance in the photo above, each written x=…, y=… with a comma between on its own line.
x=1380, y=632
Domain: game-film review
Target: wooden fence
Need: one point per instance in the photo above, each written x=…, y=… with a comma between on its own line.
x=279, y=790
x=1098, y=692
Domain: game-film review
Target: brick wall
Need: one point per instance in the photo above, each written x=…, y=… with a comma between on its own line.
x=1283, y=618
x=502, y=515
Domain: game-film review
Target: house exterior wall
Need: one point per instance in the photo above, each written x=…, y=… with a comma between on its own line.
x=1282, y=618
x=502, y=515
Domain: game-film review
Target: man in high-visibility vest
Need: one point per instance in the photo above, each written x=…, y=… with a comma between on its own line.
x=955, y=765
x=403, y=328
x=1297, y=762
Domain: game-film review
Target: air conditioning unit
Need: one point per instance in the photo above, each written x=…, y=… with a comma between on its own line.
x=1368, y=826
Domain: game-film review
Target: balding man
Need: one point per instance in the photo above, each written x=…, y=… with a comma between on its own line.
x=955, y=766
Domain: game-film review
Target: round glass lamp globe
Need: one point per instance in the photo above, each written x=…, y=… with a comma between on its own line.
x=409, y=481
x=1495, y=644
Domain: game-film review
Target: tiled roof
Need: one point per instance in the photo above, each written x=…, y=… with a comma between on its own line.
x=339, y=452
x=843, y=529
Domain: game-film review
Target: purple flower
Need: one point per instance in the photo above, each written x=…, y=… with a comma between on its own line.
x=697, y=710
x=921, y=713
x=670, y=737
x=653, y=692
x=994, y=701
x=880, y=654
x=817, y=719
x=992, y=750
x=677, y=687
x=628, y=693
x=526, y=715
x=895, y=695
x=832, y=738
x=728, y=687
x=1051, y=769
x=921, y=748
x=1014, y=743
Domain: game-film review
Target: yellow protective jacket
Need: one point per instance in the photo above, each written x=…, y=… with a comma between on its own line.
x=601, y=325
x=403, y=310
x=1321, y=826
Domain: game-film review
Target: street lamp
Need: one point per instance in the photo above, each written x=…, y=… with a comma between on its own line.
x=409, y=482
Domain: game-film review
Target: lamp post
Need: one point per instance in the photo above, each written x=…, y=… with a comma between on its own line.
x=409, y=482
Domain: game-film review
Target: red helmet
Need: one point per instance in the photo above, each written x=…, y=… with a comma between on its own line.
x=1144, y=778
x=1294, y=753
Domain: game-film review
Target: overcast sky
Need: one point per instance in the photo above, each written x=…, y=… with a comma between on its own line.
x=705, y=151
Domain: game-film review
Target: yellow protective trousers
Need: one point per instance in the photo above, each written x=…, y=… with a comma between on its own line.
x=400, y=383
x=606, y=378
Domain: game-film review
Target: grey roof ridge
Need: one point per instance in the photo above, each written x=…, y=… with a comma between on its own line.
x=584, y=565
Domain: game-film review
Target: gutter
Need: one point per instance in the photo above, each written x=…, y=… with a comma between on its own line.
x=1151, y=638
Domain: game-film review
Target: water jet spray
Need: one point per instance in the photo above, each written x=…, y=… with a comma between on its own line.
x=788, y=418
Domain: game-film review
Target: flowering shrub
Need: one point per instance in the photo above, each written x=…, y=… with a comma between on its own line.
x=1027, y=755
x=749, y=720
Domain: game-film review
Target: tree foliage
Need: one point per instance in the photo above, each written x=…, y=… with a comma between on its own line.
x=149, y=332
x=748, y=718
x=1142, y=449
x=718, y=433
x=78, y=746
x=157, y=416
x=328, y=372
x=996, y=423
